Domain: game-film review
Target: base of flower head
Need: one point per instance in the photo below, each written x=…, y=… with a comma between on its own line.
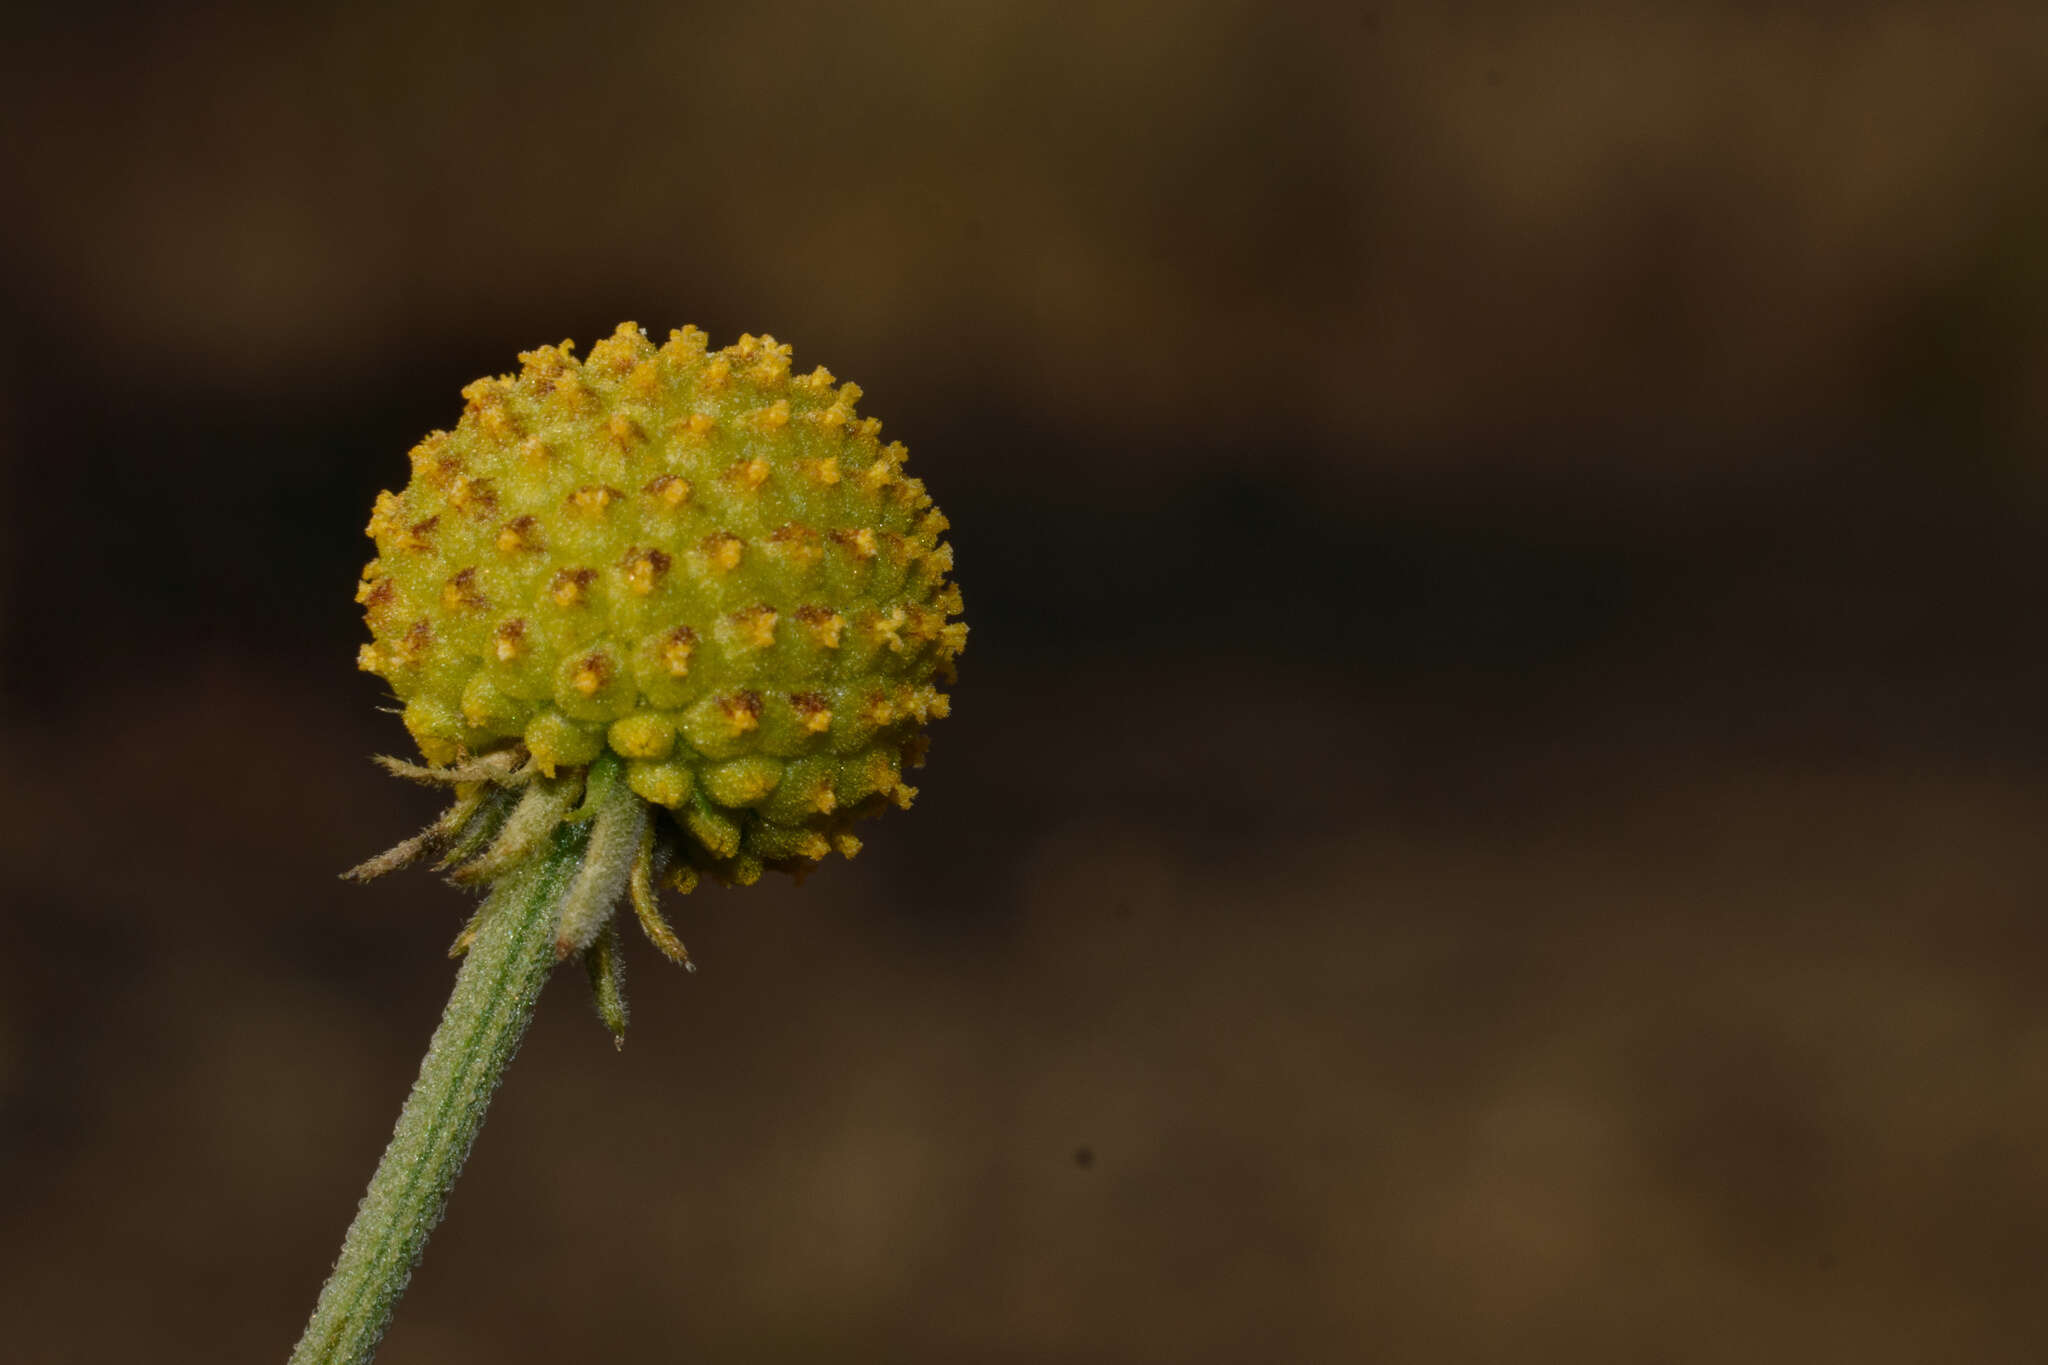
x=507, y=808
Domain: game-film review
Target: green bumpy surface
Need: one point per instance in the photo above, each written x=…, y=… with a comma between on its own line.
x=696, y=558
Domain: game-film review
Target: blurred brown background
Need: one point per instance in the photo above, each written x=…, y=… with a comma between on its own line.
x=1495, y=805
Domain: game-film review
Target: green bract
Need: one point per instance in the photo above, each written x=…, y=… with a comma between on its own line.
x=695, y=560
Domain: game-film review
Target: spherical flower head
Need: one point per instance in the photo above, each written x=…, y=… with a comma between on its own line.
x=696, y=560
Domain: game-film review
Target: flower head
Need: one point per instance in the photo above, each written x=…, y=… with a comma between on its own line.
x=694, y=574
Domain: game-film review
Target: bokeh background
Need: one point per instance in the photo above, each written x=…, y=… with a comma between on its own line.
x=1495, y=807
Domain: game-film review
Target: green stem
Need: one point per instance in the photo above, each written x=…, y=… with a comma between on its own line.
x=486, y=1017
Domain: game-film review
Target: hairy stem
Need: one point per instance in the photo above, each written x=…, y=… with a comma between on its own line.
x=487, y=1015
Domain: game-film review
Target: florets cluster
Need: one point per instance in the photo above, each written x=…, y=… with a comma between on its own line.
x=695, y=560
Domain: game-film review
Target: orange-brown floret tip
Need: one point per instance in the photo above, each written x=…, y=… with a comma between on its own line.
x=702, y=563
